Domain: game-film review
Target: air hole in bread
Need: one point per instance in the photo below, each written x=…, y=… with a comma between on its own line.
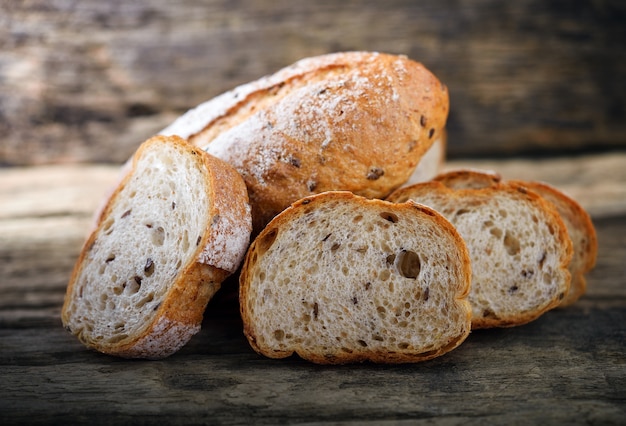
x=158, y=236
x=461, y=211
x=496, y=232
x=391, y=217
x=382, y=312
x=133, y=285
x=279, y=335
x=149, y=298
x=502, y=213
x=511, y=243
x=384, y=275
x=362, y=343
x=357, y=218
x=408, y=264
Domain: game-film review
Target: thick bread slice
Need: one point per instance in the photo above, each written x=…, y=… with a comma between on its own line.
x=337, y=278
x=577, y=221
x=518, y=244
x=177, y=225
x=353, y=121
x=581, y=231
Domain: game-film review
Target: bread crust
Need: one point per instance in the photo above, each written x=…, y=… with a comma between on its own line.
x=180, y=314
x=480, y=186
x=353, y=121
x=301, y=207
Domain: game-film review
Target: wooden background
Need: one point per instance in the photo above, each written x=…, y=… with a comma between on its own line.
x=87, y=81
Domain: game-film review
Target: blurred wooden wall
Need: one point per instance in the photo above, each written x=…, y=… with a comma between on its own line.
x=88, y=80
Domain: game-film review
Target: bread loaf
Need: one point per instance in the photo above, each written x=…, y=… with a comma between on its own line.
x=353, y=121
x=337, y=278
x=518, y=244
x=176, y=226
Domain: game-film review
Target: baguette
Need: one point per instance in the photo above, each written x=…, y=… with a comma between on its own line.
x=518, y=244
x=337, y=278
x=353, y=121
x=176, y=226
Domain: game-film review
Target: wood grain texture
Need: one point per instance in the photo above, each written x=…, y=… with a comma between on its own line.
x=568, y=367
x=91, y=80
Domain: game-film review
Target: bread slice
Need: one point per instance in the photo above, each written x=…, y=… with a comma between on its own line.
x=581, y=231
x=350, y=121
x=337, y=278
x=176, y=226
x=518, y=244
x=577, y=221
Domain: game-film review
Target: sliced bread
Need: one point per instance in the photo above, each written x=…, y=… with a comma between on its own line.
x=518, y=244
x=337, y=278
x=581, y=231
x=176, y=226
x=577, y=221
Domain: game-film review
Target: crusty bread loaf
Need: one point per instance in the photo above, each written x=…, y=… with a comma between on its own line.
x=581, y=231
x=337, y=278
x=518, y=244
x=353, y=121
x=176, y=226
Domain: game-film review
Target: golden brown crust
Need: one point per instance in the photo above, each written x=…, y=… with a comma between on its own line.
x=354, y=121
x=307, y=204
x=180, y=314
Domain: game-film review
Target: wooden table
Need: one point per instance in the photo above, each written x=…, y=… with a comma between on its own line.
x=568, y=367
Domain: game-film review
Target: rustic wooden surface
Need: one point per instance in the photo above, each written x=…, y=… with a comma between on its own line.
x=568, y=367
x=90, y=80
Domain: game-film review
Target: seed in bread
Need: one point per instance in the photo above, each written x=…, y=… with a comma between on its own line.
x=517, y=241
x=176, y=226
x=337, y=278
x=353, y=121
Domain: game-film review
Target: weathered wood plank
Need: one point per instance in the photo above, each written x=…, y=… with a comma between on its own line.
x=566, y=367
x=90, y=80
